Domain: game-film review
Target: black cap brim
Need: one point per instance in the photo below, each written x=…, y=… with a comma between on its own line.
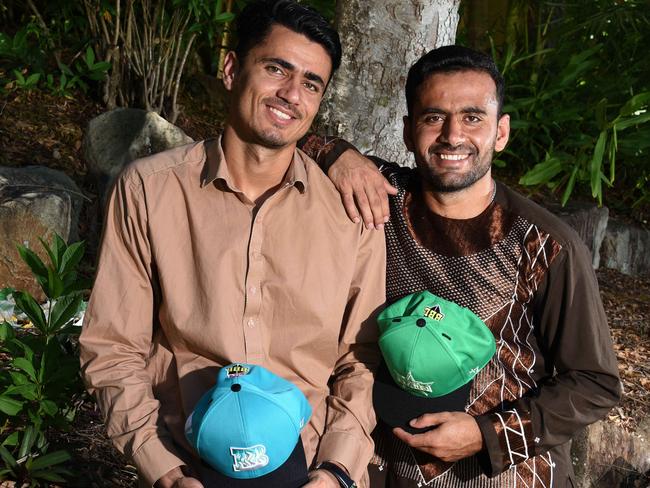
x=292, y=474
x=397, y=407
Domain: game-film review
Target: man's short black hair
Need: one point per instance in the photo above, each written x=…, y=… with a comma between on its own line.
x=451, y=59
x=255, y=21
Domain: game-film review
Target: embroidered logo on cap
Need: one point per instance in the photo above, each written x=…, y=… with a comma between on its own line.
x=249, y=458
x=237, y=370
x=434, y=313
x=409, y=383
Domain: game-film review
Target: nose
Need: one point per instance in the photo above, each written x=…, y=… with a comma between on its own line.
x=289, y=91
x=452, y=132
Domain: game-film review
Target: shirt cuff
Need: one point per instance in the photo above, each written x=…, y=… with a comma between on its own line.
x=156, y=458
x=490, y=458
x=346, y=450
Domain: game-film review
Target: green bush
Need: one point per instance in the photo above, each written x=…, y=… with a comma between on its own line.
x=578, y=95
x=40, y=385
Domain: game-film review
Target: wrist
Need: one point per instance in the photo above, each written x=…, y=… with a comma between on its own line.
x=338, y=472
x=169, y=478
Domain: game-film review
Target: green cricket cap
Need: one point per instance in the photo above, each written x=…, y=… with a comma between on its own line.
x=432, y=349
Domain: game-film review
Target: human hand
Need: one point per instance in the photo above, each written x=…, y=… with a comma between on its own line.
x=321, y=478
x=456, y=435
x=177, y=479
x=363, y=189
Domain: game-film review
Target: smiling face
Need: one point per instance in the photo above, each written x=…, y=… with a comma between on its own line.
x=454, y=129
x=277, y=88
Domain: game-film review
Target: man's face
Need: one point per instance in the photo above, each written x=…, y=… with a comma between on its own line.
x=454, y=129
x=277, y=88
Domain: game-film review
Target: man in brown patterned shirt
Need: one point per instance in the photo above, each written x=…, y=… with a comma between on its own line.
x=459, y=234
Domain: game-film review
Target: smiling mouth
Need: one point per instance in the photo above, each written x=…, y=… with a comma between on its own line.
x=280, y=114
x=453, y=157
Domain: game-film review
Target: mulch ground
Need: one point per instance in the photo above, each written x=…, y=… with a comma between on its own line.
x=38, y=128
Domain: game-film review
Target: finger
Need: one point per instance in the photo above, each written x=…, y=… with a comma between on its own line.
x=385, y=209
x=364, y=208
x=390, y=189
x=428, y=420
x=350, y=206
x=419, y=441
x=376, y=207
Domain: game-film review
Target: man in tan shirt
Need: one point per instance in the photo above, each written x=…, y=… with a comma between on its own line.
x=238, y=250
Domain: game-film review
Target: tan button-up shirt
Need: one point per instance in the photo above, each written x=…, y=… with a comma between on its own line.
x=192, y=277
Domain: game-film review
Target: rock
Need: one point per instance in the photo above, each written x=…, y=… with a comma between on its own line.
x=606, y=456
x=114, y=139
x=34, y=202
x=626, y=248
x=589, y=221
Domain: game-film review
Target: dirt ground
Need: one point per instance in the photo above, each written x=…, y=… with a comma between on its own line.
x=37, y=128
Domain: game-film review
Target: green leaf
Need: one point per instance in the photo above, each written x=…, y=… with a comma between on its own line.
x=54, y=284
x=64, y=309
x=51, y=459
x=90, y=57
x=8, y=458
x=26, y=303
x=634, y=104
x=633, y=121
x=54, y=258
x=33, y=261
x=71, y=257
x=542, y=172
x=10, y=406
x=32, y=79
x=19, y=379
x=12, y=439
x=58, y=247
x=49, y=475
x=29, y=437
x=570, y=185
x=28, y=391
x=596, y=163
x=49, y=407
x=6, y=332
x=26, y=366
x=6, y=292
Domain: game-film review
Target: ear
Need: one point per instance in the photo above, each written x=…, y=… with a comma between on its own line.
x=230, y=70
x=406, y=134
x=503, y=133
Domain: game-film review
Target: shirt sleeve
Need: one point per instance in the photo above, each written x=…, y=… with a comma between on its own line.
x=350, y=416
x=116, y=338
x=326, y=150
x=581, y=383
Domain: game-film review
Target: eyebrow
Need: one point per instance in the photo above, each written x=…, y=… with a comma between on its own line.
x=311, y=76
x=464, y=110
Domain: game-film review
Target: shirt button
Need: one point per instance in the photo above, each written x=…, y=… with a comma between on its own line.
x=251, y=323
x=252, y=290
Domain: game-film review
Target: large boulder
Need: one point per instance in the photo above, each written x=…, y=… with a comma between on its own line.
x=626, y=248
x=114, y=139
x=589, y=221
x=606, y=455
x=34, y=202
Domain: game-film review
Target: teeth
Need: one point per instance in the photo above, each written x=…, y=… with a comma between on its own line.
x=282, y=115
x=453, y=157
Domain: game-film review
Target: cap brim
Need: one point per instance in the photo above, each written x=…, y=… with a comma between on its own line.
x=397, y=407
x=292, y=474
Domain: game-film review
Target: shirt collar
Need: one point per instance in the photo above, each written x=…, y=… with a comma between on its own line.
x=215, y=169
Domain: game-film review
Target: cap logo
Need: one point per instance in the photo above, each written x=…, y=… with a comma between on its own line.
x=434, y=313
x=237, y=370
x=409, y=383
x=249, y=458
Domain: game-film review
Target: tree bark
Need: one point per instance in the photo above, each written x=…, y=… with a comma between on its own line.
x=381, y=39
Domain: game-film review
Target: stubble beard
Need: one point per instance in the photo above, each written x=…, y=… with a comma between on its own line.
x=452, y=182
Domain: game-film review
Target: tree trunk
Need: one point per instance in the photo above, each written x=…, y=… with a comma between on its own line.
x=381, y=39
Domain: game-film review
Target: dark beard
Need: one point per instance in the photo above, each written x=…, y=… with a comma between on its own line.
x=439, y=184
